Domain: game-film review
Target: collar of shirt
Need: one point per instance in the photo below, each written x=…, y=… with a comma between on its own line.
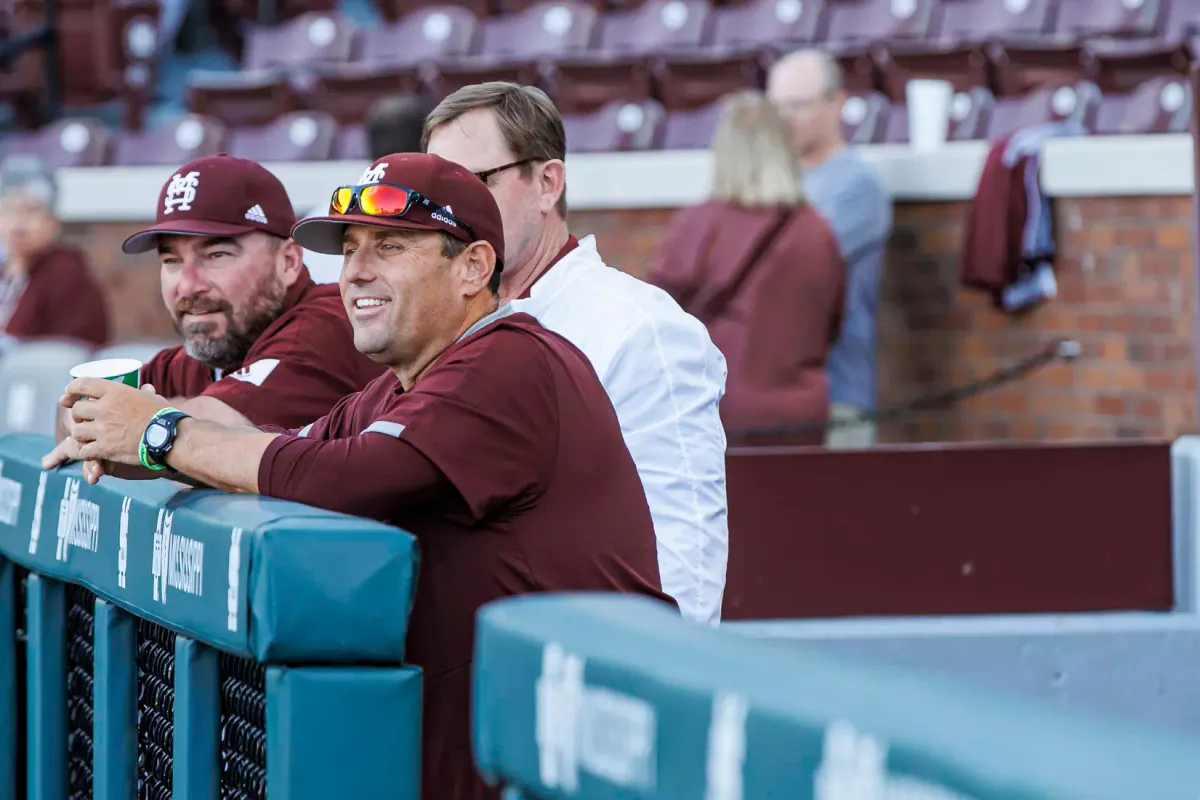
x=571, y=244
x=500, y=313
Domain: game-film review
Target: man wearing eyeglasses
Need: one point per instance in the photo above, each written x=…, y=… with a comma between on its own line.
x=660, y=368
x=489, y=438
x=806, y=87
x=261, y=343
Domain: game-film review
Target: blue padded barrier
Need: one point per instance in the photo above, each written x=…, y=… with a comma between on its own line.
x=605, y=696
x=181, y=644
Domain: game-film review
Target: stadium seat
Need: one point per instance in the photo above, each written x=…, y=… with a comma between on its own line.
x=1160, y=105
x=763, y=22
x=391, y=59
x=691, y=129
x=513, y=46
x=277, y=67
x=67, y=142
x=616, y=127
x=298, y=136
x=965, y=66
x=693, y=81
x=1076, y=102
x=1123, y=64
x=987, y=20
x=350, y=143
x=1019, y=68
x=627, y=44
x=176, y=142
x=397, y=9
x=855, y=23
x=251, y=10
x=865, y=118
x=32, y=377
x=1119, y=18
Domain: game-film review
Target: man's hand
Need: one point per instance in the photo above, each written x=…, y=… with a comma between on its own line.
x=108, y=419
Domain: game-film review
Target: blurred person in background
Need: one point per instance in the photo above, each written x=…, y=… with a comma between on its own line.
x=658, y=364
x=762, y=269
x=806, y=87
x=47, y=289
x=261, y=343
x=393, y=125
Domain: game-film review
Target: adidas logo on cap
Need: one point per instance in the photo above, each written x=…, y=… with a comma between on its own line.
x=256, y=214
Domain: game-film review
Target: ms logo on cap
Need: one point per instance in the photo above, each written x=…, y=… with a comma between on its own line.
x=374, y=173
x=181, y=192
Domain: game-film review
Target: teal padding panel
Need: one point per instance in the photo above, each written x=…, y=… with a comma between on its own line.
x=8, y=676
x=46, y=687
x=114, y=727
x=344, y=732
x=196, y=759
x=262, y=578
x=606, y=696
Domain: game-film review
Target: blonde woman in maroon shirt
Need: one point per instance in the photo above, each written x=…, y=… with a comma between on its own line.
x=761, y=268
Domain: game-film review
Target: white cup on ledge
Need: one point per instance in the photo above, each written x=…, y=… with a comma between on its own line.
x=928, y=105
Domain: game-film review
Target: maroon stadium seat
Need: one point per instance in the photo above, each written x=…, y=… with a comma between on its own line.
x=964, y=66
x=1122, y=18
x=514, y=46
x=391, y=60
x=1019, y=69
x=759, y=23
x=1160, y=105
x=691, y=129
x=275, y=58
x=299, y=136
x=628, y=41
x=865, y=117
x=67, y=142
x=1121, y=65
x=398, y=9
x=351, y=144
x=985, y=20
x=970, y=112
x=1077, y=102
x=615, y=127
x=694, y=81
x=177, y=142
x=863, y=22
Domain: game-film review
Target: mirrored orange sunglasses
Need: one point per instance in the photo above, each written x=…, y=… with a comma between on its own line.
x=387, y=200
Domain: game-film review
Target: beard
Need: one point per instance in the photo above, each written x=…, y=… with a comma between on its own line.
x=242, y=326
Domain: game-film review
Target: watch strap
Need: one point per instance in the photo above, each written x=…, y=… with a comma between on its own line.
x=144, y=455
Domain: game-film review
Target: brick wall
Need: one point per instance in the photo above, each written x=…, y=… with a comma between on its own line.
x=1125, y=293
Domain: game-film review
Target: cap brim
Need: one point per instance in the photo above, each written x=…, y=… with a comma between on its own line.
x=147, y=239
x=324, y=234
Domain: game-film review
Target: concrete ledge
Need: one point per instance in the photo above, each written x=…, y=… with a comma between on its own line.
x=1095, y=166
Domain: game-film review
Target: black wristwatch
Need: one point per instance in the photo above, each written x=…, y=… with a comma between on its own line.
x=159, y=437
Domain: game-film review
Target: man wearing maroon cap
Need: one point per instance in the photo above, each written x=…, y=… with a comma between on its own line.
x=491, y=438
x=262, y=344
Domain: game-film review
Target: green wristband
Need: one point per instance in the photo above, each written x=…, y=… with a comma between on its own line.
x=143, y=451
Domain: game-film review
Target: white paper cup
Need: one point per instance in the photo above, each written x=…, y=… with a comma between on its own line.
x=122, y=370
x=928, y=103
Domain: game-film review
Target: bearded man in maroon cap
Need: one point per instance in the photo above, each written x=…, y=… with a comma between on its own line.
x=261, y=342
x=490, y=438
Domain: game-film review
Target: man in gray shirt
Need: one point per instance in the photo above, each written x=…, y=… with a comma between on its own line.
x=806, y=86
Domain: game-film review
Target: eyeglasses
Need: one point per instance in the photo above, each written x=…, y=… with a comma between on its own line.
x=487, y=173
x=390, y=200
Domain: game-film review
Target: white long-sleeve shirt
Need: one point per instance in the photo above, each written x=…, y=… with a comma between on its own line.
x=665, y=379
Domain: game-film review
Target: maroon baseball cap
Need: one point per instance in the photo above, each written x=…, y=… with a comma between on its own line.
x=218, y=196
x=451, y=199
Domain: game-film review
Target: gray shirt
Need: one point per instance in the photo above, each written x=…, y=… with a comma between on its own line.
x=849, y=194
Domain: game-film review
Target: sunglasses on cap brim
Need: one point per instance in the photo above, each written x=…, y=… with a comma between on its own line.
x=389, y=200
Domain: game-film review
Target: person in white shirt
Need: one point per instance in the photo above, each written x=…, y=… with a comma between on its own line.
x=392, y=125
x=660, y=368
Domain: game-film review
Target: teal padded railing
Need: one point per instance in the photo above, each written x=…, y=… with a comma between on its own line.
x=599, y=697
x=176, y=643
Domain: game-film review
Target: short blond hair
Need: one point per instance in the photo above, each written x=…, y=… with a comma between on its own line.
x=528, y=120
x=753, y=164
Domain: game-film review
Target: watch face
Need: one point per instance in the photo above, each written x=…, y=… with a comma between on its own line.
x=157, y=436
